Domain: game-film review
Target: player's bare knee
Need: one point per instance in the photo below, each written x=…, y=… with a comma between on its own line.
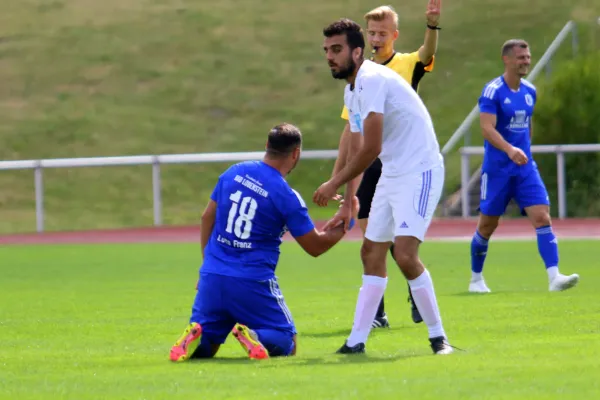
x=410, y=267
x=367, y=255
x=404, y=260
x=542, y=219
x=539, y=216
x=366, y=251
x=373, y=258
x=487, y=225
x=486, y=230
x=406, y=254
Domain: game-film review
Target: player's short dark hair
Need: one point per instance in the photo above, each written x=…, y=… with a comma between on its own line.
x=349, y=28
x=509, y=45
x=283, y=139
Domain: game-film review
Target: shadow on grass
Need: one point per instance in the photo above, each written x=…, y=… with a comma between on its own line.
x=335, y=333
x=327, y=359
x=299, y=361
x=469, y=294
x=346, y=331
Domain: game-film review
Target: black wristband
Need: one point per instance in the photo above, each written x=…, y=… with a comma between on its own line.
x=435, y=28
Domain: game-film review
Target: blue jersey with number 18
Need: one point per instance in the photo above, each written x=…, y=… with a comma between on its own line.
x=255, y=207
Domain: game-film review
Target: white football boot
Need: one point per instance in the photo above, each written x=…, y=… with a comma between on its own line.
x=563, y=282
x=478, y=286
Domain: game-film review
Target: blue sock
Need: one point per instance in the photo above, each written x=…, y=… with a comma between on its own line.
x=277, y=342
x=547, y=246
x=479, y=248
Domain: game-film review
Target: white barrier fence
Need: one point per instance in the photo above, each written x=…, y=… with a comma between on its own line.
x=559, y=150
x=155, y=160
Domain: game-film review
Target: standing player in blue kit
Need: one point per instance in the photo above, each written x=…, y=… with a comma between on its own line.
x=506, y=108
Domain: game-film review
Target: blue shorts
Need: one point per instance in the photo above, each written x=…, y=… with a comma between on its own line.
x=498, y=189
x=222, y=301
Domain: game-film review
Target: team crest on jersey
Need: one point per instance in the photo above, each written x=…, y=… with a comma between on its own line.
x=529, y=100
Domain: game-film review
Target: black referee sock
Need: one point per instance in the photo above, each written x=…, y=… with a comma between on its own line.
x=381, y=309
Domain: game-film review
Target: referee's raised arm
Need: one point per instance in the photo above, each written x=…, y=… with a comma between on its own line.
x=429, y=48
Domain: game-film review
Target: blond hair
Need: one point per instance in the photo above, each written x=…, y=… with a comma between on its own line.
x=381, y=13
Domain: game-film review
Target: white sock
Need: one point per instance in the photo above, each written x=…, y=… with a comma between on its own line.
x=552, y=272
x=424, y=296
x=476, y=276
x=369, y=296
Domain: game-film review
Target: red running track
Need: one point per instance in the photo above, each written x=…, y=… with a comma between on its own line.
x=448, y=229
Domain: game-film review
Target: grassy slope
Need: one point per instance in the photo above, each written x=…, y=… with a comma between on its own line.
x=97, y=321
x=89, y=78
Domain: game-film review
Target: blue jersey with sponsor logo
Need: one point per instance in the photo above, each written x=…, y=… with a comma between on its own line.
x=255, y=207
x=513, y=111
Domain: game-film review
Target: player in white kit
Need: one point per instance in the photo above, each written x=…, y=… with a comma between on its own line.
x=395, y=126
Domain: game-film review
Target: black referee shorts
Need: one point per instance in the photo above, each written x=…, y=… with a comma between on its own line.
x=366, y=189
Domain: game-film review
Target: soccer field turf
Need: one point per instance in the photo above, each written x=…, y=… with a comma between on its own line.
x=97, y=321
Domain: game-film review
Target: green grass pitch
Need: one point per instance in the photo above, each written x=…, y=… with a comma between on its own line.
x=97, y=321
x=92, y=78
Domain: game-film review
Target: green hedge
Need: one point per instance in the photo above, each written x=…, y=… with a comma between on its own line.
x=568, y=112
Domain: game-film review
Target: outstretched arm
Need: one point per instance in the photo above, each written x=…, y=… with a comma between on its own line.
x=318, y=242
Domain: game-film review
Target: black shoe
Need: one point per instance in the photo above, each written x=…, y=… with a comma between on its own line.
x=416, y=315
x=381, y=322
x=440, y=345
x=358, y=348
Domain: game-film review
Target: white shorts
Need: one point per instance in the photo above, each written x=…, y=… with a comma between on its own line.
x=404, y=205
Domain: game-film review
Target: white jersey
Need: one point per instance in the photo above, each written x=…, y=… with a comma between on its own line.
x=409, y=141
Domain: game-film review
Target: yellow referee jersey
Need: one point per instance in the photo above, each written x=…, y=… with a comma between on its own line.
x=408, y=66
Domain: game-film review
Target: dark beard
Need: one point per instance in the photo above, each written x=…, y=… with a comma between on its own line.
x=346, y=72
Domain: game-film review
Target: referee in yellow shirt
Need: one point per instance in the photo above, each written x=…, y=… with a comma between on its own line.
x=382, y=32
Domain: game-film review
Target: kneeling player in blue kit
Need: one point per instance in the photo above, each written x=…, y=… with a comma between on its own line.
x=250, y=209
